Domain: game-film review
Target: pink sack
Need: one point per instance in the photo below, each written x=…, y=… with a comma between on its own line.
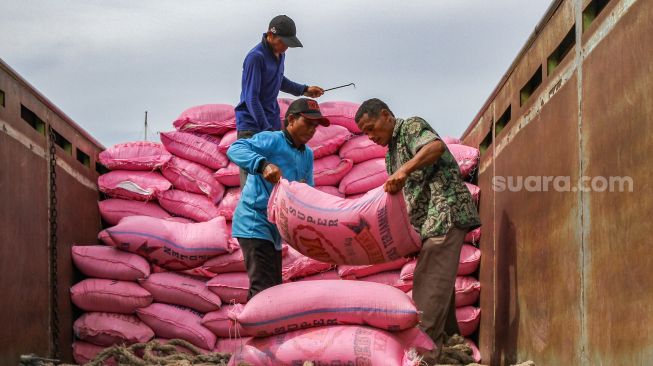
x=111, y=296
x=475, y=192
x=114, y=209
x=361, y=148
x=328, y=275
x=466, y=156
x=408, y=270
x=467, y=290
x=342, y=114
x=277, y=309
x=476, y=354
x=468, y=318
x=202, y=149
x=229, y=175
x=354, y=196
x=474, y=236
x=141, y=155
x=107, y=329
x=171, y=245
x=329, y=170
x=295, y=265
x=470, y=258
x=284, y=103
x=330, y=190
x=329, y=345
x=192, y=177
x=208, y=118
x=229, y=202
x=352, y=272
x=389, y=278
x=197, y=272
x=231, y=345
x=327, y=140
x=84, y=352
x=364, y=177
x=417, y=338
x=231, y=287
x=176, y=289
x=226, y=141
x=324, y=227
x=133, y=185
x=451, y=140
x=221, y=323
x=232, y=262
x=102, y=261
x=194, y=206
x=183, y=220
x=171, y=321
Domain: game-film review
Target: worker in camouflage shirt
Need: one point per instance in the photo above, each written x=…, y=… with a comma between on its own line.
x=439, y=205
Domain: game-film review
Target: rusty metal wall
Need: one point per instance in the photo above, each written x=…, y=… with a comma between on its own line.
x=24, y=227
x=565, y=274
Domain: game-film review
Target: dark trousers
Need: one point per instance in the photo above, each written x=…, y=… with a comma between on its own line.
x=244, y=135
x=263, y=264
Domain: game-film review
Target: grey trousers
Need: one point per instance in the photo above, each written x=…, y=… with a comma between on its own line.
x=263, y=264
x=244, y=135
x=434, y=284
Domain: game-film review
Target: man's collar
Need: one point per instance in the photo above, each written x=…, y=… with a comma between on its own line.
x=266, y=46
x=291, y=142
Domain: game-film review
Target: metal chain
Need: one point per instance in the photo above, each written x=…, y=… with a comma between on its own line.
x=52, y=218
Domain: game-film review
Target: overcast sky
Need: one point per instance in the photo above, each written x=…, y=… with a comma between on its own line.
x=105, y=62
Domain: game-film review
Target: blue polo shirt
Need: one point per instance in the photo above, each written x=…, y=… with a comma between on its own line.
x=258, y=109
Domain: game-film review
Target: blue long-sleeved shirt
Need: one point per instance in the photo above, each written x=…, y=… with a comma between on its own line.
x=250, y=218
x=258, y=109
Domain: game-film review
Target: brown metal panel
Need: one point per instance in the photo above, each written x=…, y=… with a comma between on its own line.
x=617, y=123
x=537, y=246
x=23, y=252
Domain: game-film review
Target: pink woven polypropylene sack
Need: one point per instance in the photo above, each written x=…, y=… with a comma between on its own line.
x=195, y=206
x=276, y=309
x=466, y=156
x=170, y=321
x=470, y=258
x=103, y=261
x=232, y=262
x=229, y=175
x=390, y=278
x=474, y=191
x=351, y=272
x=364, y=177
x=327, y=140
x=372, y=229
x=451, y=140
x=141, y=155
x=342, y=114
x=188, y=176
x=229, y=203
x=329, y=345
x=133, y=185
x=476, y=353
x=84, y=352
x=330, y=190
x=329, y=170
x=107, y=329
x=221, y=322
x=328, y=275
x=231, y=345
x=226, y=141
x=171, y=245
x=231, y=287
x=473, y=236
x=208, y=118
x=408, y=270
x=467, y=290
x=177, y=289
x=296, y=265
x=96, y=294
x=284, y=103
x=202, y=149
x=361, y=148
x=114, y=209
x=468, y=319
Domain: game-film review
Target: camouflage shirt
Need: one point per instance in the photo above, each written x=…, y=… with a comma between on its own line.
x=436, y=196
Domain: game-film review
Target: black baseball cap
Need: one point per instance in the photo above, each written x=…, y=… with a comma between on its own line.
x=284, y=27
x=307, y=108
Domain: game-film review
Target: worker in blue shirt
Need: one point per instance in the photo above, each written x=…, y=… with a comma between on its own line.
x=266, y=157
x=258, y=109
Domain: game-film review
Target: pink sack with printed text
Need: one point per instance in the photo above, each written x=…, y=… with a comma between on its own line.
x=107, y=329
x=328, y=275
x=197, y=207
x=361, y=148
x=232, y=262
x=229, y=175
x=191, y=177
x=176, y=289
x=140, y=155
x=364, y=177
x=208, y=118
x=113, y=210
x=329, y=170
x=372, y=229
x=103, y=261
x=231, y=287
x=295, y=265
x=330, y=190
x=351, y=272
x=226, y=141
x=327, y=140
x=171, y=321
x=102, y=295
x=133, y=185
x=468, y=318
x=202, y=149
x=467, y=290
x=341, y=114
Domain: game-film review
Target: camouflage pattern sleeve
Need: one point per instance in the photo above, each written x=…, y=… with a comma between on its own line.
x=418, y=133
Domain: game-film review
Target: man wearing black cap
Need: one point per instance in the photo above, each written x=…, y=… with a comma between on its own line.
x=267, y=157
x=258, y=109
